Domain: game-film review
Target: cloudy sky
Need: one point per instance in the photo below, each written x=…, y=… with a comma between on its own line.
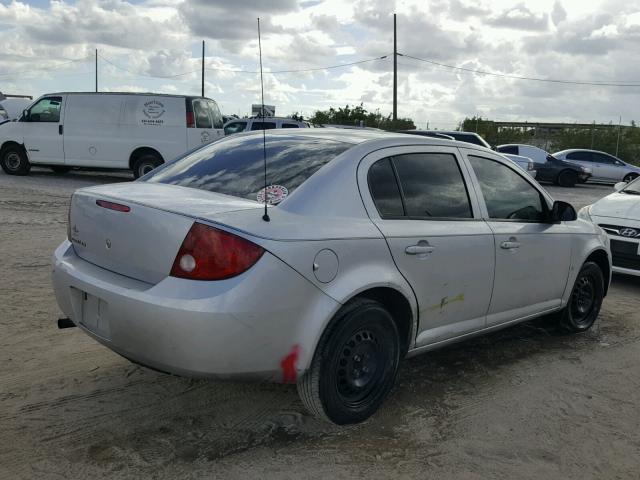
x=155, y=45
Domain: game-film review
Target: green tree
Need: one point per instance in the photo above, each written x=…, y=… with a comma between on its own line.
x=359, y=116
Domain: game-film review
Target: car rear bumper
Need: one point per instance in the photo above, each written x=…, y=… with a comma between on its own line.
x=247, y=326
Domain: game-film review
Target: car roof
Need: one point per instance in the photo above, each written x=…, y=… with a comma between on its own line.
x=360, y=136
x=569, y=150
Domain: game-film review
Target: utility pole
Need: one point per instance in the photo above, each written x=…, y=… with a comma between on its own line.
x=618, y=140
x=96, y=70
x=203, y=68
x=395, y=70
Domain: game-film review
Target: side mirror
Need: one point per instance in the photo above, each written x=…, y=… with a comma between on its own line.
x=563, y=212
x=619, y=186
x=25, y=116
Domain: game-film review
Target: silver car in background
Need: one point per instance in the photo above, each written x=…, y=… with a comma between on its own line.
x=374, y=247
x=604, y=167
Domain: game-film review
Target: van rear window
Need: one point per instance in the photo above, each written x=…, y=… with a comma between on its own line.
x=234, y=166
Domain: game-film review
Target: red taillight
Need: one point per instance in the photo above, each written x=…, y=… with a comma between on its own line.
x=211, y=254
x=118, y=207
x=191, y=122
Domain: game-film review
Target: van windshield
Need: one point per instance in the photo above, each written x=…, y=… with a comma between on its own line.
x=234, y=166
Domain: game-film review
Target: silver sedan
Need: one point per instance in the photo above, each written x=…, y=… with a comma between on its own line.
x=364, y=248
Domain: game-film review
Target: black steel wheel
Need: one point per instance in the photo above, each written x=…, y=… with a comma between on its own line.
x=14, y=161
x=585, y=301
x=567, y=178
x=354, y=366
x=145, y=164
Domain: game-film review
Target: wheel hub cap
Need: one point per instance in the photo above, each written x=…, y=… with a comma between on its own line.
x=583, y=298
x=12, y=161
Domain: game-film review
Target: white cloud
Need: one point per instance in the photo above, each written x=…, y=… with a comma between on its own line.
x=569, y=39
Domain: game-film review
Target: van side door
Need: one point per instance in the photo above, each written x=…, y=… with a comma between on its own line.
x=43, y=130
x=424, y=204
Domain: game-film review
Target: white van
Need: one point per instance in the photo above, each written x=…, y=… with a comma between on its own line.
x=136, y=131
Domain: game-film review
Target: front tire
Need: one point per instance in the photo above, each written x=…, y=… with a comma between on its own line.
x=355, y=365
x=145, y=164
x=585, y=301
x=567, y=178
x=14, y=161
x=630, y=177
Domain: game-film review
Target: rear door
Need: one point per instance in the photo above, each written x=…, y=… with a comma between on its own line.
x=585, y=159
x=43, y=130
x=533, y=256
x=204, y=131
x=420, y=200
x=609, y=168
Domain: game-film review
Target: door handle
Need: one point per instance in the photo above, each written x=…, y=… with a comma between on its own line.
x=60, y=129
x=419, y=249
x=511, y=244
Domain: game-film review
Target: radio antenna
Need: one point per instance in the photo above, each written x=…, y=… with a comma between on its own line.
x=265, y=217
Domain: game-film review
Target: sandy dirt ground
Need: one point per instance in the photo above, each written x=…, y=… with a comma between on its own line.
x=522, y=403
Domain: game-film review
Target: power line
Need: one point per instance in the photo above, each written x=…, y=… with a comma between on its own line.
x=273, y=72
x=119, y=67
x=46, y=68
x=534, y=79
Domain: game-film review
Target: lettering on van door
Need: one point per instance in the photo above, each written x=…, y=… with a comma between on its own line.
x=153, y=112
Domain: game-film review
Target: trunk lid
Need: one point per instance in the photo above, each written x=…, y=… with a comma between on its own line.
x=142, y=242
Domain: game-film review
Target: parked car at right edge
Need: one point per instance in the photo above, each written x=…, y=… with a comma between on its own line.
x=374, y=247
x=618, y=214
x=605, y=167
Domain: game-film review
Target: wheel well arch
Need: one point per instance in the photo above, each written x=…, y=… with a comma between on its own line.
x=140, y=151
x=11, y=143
x=399, y=307
x=600, y=258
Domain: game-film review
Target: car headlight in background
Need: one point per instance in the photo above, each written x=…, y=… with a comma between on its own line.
x=585, y=213
x=586, y=170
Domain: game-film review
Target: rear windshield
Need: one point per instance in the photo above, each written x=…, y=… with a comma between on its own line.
x=234, y=166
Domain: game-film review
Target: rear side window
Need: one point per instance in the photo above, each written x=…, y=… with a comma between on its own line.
x=507, y=195
x=583, y=156
x=419, y=185
x=216, y=116
x=468, y=138
x=510, y=149
x=263, y=126
x=234, y=166
x=201, y=112
x=290, y=125
x=384, y=189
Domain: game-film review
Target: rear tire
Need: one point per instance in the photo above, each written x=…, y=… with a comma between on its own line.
x=14, y=161
x=145, y=164
x=629, y=177
x=355, y=364
x=567, y=178
x=60, y=168
x=585, y=301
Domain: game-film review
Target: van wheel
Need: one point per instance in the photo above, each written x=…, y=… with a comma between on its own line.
x=354, y=366
x=629, y=177
x=60, y=168
x=567, y=178
x=145, y=164
x=585, y=301
x=14, y=161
